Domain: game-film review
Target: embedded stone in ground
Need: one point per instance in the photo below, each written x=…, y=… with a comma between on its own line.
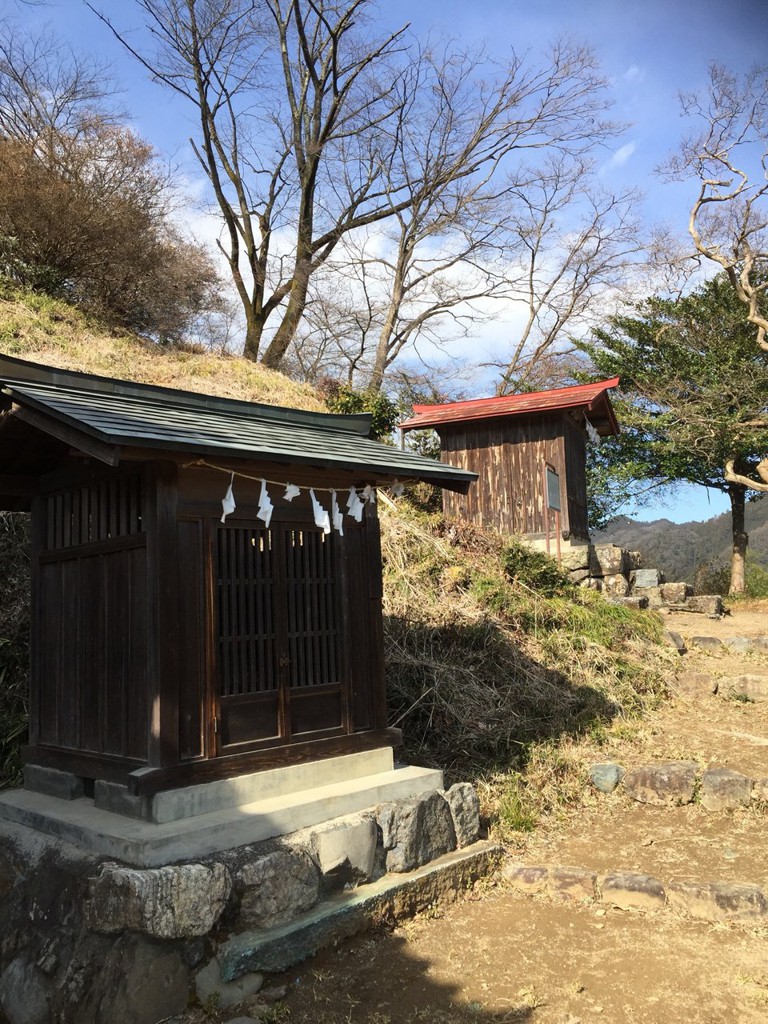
x=635, y=601
x=211, y=987
x=416, y=831
x=750, y=687
x=277, y=887
x=176, y=902
x=718, y=901
x=739, y=644
x=675, y=640
x=574, y=884
x=525, y=878
x=615, y=585
x=706, y=643
x=724, y=790
x=760, y=790
x=464, y=804
x=606, y=777
x=695, y=684
x=666, y=784
x=629, y=891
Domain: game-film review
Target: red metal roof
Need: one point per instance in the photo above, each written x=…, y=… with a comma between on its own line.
x=593, y=398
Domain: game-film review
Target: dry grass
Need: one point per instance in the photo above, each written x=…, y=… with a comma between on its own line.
x=45, y=330
x=496, y=682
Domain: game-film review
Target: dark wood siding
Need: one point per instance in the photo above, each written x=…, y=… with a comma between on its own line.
x=575, y=440
x=89, y=671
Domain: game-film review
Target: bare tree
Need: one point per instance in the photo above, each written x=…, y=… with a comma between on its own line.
x=312, y=131
x=727, y=151
x=571, y=249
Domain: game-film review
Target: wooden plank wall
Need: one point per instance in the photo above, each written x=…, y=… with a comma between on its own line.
x=90, y=669
x=509, y=456
x=576, y=481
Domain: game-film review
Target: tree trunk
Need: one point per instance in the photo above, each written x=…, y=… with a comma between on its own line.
x=254, y=328
x=737, y=494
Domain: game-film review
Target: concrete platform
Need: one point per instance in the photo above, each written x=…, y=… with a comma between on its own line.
x=146, y=844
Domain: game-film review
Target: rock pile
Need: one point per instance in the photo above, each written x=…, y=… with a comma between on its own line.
x=619, y=575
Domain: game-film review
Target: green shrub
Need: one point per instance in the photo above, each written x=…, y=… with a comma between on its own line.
x=536, y=570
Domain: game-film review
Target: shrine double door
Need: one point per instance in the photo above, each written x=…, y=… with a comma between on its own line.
x=282, y=672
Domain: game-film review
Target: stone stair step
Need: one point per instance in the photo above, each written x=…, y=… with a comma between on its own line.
x=276, y=949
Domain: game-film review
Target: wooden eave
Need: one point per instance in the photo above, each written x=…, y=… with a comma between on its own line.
x=108, y=423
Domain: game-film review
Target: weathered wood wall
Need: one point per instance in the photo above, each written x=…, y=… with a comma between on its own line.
x=511, y=456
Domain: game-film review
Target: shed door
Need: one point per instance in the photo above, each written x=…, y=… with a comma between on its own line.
x=278, y=651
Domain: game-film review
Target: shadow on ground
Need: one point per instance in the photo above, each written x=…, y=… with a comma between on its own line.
x=344, y=986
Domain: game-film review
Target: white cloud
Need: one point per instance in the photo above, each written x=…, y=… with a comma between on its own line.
x=634, y=74
x=621, y=156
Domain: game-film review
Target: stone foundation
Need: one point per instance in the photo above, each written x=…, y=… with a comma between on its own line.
x=85, y=939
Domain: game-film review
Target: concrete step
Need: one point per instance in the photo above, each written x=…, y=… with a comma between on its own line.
x=146, y=844
x=388, y=899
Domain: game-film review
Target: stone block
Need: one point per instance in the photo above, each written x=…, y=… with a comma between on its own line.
x=277, y=887
x=112, y=797
x=629, y=891
x=616, y=585
x=706, y=604
x=525, y=878
x=608, y=560
x=415, y=832
x=665, y=784
x=175, y=902
x=210, y=986
x=739, y=644
x=638, y=602
x=750, y=687
x=760, y=791
x=718, y=901
x=346, y=851
x=52, y=782
x=578, y=575
x=695, y=684
x=655, y=600
x=606, y=777
x=707, y=643
x=725, y=790
x=644, y=578
x=760, y=643
x=673, y=639
x=573, y=884
x=464, y=804
x=634, y=560
x=575, y=558
x=139, y=982
x=592, y=583
x=25, y=993
x=675, y=593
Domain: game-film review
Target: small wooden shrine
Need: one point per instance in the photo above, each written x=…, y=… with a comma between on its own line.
x=169, y=646
x=530, y=454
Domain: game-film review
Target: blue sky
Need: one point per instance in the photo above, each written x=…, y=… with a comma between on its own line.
x=649, y=49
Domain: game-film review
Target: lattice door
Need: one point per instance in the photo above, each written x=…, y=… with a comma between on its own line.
x=278, y=635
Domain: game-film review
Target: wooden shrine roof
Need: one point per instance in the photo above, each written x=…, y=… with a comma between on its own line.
x=101, y=416
x=593, y=398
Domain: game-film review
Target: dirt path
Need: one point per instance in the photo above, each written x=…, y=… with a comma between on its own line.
x=503, y=957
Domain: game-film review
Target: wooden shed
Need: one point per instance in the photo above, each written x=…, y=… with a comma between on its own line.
x=530, y=454
x=169, y=647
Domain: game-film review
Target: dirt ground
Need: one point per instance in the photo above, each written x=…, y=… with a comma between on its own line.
x=499, y=957
x=502, y=957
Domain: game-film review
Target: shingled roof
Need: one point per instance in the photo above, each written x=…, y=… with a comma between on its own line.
x=101, y=416
x=593, y=398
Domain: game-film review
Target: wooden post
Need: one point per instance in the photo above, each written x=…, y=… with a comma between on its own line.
x=163, y=615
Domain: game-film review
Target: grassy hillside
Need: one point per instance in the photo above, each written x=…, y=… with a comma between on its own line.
x=497, y=668
x=45, y=330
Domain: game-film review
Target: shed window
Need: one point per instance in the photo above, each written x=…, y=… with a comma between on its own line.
x=99, y=510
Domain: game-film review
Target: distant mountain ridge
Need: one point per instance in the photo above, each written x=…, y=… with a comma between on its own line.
x=679, y=549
